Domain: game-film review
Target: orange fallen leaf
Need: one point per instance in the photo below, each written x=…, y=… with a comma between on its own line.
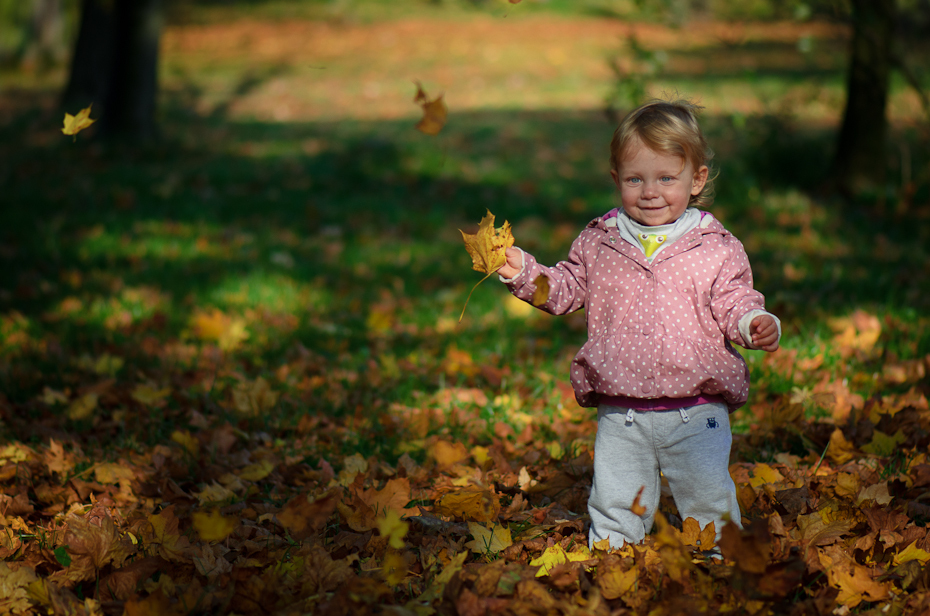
x=613, y=580
x=303, y=517
x=470, y=503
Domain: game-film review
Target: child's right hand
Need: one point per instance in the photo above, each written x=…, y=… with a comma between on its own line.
x=514, y=263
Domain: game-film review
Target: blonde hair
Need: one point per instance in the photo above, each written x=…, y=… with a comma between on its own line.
x=666, y=127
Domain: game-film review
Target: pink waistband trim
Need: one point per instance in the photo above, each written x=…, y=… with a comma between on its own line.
x=659, y=404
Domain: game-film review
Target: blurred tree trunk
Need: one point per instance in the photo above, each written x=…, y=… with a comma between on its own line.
x=115, y=64
x=859, y=164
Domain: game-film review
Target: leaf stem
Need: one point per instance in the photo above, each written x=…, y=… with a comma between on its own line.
x=469, y=295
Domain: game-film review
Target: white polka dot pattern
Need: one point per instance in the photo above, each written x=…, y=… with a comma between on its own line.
x=654, y=330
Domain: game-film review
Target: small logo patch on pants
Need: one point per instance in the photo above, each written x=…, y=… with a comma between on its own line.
x=712, y=422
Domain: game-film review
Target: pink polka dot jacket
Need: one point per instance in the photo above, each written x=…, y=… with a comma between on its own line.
x=655, y=330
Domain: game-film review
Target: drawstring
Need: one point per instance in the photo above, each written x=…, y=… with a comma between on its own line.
x=630, y=417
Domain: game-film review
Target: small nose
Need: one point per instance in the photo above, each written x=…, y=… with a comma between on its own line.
x=650, y=190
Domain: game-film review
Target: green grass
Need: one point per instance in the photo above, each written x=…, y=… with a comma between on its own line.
x=336, y=244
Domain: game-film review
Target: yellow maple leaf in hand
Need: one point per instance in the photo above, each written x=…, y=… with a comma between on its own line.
x=487, y=249
x=76, y=123
x=434, y=112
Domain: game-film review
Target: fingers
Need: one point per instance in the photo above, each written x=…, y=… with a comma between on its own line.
x=764, y=333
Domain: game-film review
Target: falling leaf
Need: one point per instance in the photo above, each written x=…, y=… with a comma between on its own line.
x=395, y=529
x=434, y=112
x=637, y=508
x=213, y=526
x=76, y=123
x=541, y=294
x=488, y=540
x=487, y=248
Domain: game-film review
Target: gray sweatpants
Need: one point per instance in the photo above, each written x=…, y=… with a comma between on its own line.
x=690, y=447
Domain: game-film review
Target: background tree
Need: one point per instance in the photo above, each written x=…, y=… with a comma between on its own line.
x=115, y=64
x=859, y=162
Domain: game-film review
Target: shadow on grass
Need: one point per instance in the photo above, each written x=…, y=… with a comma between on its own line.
x=350, y=230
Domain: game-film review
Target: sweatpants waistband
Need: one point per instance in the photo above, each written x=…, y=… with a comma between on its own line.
x=659, y=404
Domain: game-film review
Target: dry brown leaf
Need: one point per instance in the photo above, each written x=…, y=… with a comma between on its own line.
x=93, y=541
x=855, y=582
x=470, y=503
x=303, y=518
x=750, y=548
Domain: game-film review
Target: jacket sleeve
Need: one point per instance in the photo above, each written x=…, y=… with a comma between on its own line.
x=732, y=294
x=568, y=285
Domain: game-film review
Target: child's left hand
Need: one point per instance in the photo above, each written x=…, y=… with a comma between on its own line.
x=764, y=333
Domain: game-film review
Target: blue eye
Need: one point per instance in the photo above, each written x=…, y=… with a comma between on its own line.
x=667, y=178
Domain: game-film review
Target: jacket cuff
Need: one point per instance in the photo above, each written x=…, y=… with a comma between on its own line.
x=746, y=320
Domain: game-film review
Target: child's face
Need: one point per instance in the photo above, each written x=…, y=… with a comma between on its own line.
x=656, y=188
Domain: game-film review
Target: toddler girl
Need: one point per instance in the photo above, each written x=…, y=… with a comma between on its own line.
x=666, y=289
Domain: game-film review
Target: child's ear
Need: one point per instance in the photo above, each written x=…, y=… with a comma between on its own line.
x=616, y=176
x=699, y=180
